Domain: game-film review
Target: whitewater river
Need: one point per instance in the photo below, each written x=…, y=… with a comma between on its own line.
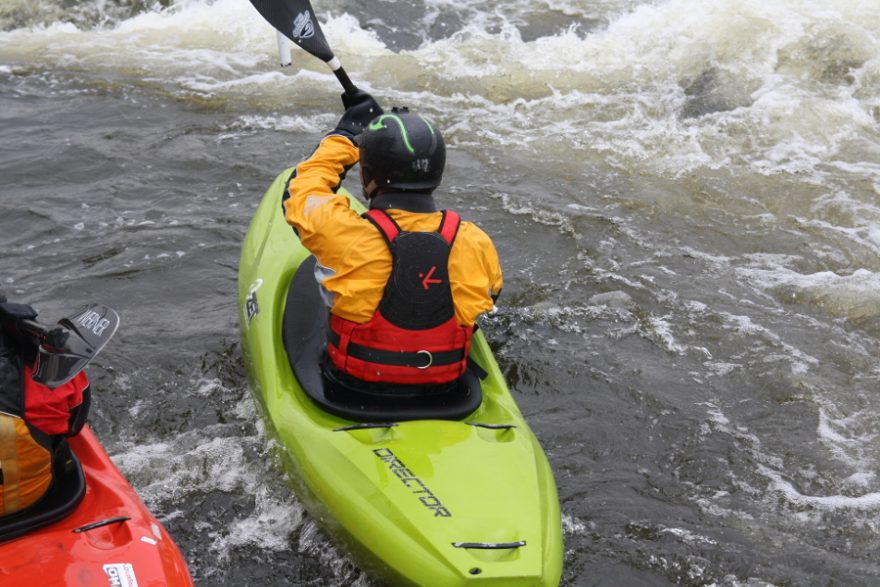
x=685, y=197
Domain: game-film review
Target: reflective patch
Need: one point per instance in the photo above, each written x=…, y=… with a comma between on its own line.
x=315, y=202
x=321, y=274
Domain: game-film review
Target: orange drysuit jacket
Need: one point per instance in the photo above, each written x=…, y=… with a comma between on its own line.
x=354, y=258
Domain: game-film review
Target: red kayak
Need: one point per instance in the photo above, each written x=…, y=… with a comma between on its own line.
x=90, y=530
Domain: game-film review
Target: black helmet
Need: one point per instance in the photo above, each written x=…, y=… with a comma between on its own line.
x=402, y=151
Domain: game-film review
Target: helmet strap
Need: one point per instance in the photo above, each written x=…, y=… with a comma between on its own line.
x=409, y=201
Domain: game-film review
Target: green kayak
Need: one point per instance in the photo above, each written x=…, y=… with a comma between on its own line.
x=432, y=492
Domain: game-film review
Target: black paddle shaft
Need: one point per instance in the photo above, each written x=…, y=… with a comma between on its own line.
x=296, y=21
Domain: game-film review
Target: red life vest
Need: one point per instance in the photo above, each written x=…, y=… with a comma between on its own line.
x=413, y=338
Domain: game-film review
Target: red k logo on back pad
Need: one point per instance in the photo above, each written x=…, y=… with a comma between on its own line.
x=427, y=280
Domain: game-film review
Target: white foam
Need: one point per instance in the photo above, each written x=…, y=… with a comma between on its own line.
x=688, y=536
x=661, y=332
x=313, y=544
x=573, y=526
x=268, y=526
x=721, y=368
x=217, y=458
x=618, y=91
x=867, y=501
x=848, y=440
x=855, y=295
x=772, y=468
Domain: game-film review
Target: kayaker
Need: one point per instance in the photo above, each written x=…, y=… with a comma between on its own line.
x=406, y=281
x=34, y=420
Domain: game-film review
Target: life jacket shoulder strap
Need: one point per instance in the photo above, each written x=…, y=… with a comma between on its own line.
x=449, y=226
x=384, y=223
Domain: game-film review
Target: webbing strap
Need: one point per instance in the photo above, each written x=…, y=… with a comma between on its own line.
x=449, y=225
x=386, y=225
x=418, y=359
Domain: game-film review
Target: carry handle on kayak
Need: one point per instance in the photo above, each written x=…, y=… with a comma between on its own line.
x=100, y=524
x=491, y=426
x=365, y=426
x=490, y=545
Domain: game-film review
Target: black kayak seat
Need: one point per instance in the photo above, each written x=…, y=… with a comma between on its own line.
x=64, y=495
x=306, y=323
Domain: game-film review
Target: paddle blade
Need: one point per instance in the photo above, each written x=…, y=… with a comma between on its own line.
x=296, y=20
x=82, y=337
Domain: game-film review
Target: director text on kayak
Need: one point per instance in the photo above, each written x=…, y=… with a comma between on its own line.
x=405, y=282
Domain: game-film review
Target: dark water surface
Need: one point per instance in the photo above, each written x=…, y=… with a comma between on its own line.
x=688, y=214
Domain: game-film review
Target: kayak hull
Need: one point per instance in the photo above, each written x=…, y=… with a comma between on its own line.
x=110, y=538
x=418, y=502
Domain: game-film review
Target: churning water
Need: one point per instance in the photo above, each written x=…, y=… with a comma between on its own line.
x=685, y=196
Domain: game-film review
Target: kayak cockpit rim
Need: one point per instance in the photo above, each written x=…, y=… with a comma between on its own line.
x=369, y=425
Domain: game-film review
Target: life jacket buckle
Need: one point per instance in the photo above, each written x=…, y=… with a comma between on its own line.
x=430, y=359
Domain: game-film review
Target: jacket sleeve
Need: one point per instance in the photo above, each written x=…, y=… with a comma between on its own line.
x=492, y=267
x=323, y=219
x=497, y=280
